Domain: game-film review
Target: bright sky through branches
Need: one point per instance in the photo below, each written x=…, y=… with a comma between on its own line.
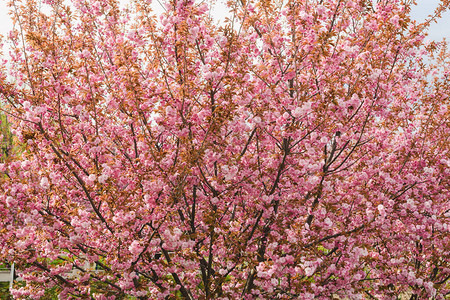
x=423, y=9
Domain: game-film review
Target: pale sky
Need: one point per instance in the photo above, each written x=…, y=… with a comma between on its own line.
x=424, y=8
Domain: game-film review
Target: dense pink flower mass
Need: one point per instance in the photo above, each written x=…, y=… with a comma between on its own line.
x=298, y=150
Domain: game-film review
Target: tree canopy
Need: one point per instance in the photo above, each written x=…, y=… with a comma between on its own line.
x=298, y=150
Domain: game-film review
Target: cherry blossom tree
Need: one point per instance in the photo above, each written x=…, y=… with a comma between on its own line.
x=297, y=150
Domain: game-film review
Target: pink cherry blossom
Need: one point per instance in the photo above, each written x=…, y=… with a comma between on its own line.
x=296, y=150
